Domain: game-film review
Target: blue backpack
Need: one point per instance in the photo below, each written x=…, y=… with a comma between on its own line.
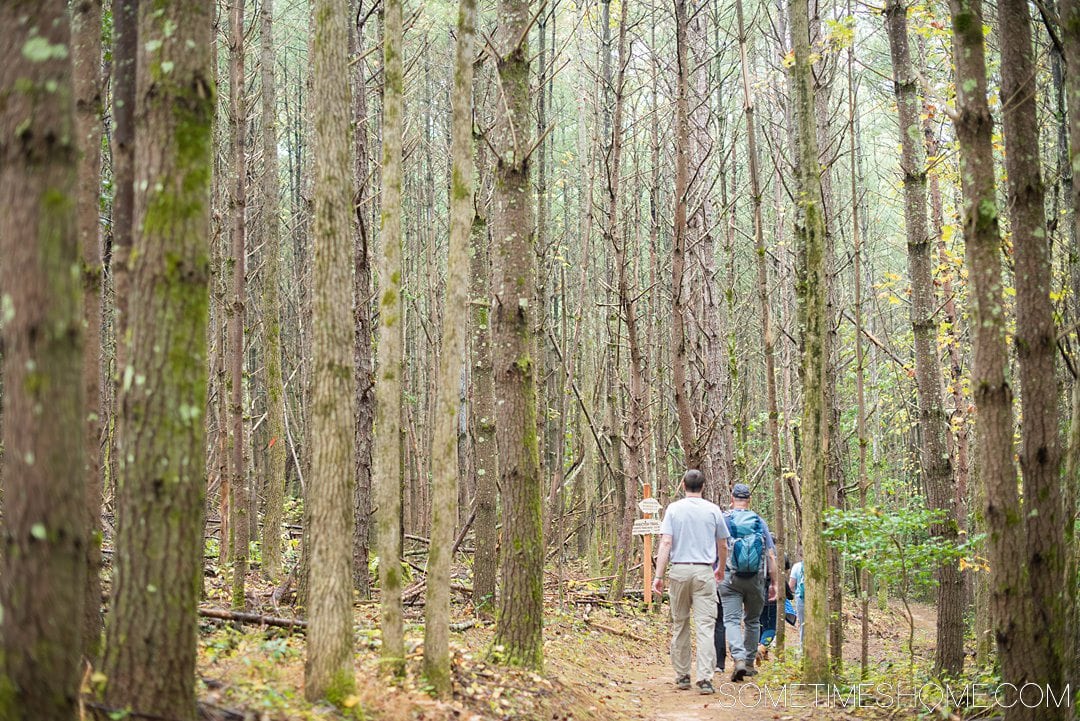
x=748, y=549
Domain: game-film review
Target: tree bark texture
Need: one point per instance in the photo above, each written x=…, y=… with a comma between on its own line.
x=238, y=480
x=1036, y=350
x=86, y=81
x=444, y=451
x=679, y=311
x=388, y=386
x=812, y=290
x=993, y=394
x=635, y=425
x=45, y=522
x=485, y=453
x=760, y=253
x=362, y=309
x=275, y=391
x=519, y=627
x=328, y=672
x=935, y=466
x=1070, y=26
x=151, y=631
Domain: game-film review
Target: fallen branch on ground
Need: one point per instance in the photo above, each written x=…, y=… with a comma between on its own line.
x=615, y=631
x=253, y=618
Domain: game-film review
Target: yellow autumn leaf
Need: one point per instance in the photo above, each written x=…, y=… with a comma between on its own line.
x=350, y=701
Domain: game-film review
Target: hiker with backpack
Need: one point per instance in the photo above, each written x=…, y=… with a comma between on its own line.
x=751, y=559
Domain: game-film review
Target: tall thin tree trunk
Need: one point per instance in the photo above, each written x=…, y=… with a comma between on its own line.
x=680, y=360
x=238, y=498
x=485, y=456
x=44, y=562
x=364, y=355
x=935, y=466
x=388, y=387
x=444, y=496
x=151, y=631
x=329, y=671
x=860, y=356
x=776, y=464
x=519, y=629
x=812, y=287
x=1070, y=24
x=275, y=391
x=86, y=82
x=635, y=433
x=1036, y=348
x=993, y=394
x=125, y=48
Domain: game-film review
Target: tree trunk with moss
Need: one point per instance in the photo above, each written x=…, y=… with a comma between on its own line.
x=238, y=481
x=363, y=356
x=680, y=360
x=44, y=564
x=125, y=15
x=275, y=391
x=635, y=433
x=1044, y=552
x=519, y=629
x=1070, y=25
x=993, y=394
x=761, y=261
x=812, y=289
x=329, y=672
x=152, y=627
x=935, y=466
x=444, y=451
x=388, y=385
x=86, y=80
x=485, y=455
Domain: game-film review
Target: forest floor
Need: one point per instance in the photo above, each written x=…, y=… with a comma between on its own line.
x=602, y=663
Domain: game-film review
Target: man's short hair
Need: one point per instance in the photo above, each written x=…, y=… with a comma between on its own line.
x=694, y=480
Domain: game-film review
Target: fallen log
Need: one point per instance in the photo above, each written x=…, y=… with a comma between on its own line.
x=252, y=618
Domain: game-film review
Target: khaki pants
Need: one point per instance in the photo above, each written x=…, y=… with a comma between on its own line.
x=692, y=587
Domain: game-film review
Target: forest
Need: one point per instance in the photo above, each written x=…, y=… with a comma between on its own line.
x=354, y=352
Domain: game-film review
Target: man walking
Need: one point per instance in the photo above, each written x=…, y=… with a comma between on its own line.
x=742, y=592
x=694, y=538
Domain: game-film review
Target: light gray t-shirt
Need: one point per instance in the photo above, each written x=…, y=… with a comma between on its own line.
x=695, y=525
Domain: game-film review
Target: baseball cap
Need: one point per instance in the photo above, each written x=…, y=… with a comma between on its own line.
x=740, y=490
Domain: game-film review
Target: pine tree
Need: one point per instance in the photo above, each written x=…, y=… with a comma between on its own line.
x=328, y=672
x=935, y=465
x=86, y=81
x=238, y=480
x=388, y=385
x=151, y=631
x=43, y=572
x=812, y=290
x=275, y=392
x=519, y=628
x=444, y=452
x=993, y=394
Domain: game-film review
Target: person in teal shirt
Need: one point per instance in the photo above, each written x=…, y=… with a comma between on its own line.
x=797, y=584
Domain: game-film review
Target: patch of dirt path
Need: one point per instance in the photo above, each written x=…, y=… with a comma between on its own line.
x=634, y=680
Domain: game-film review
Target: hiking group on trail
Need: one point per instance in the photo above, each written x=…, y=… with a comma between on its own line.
x=720, y=565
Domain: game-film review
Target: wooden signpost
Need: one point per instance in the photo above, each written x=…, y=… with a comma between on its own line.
x=647, y=526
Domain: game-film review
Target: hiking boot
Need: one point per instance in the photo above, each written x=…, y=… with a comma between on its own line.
x=705, y=687
x=751, y=671
x=740, y=671
x=683, y=683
